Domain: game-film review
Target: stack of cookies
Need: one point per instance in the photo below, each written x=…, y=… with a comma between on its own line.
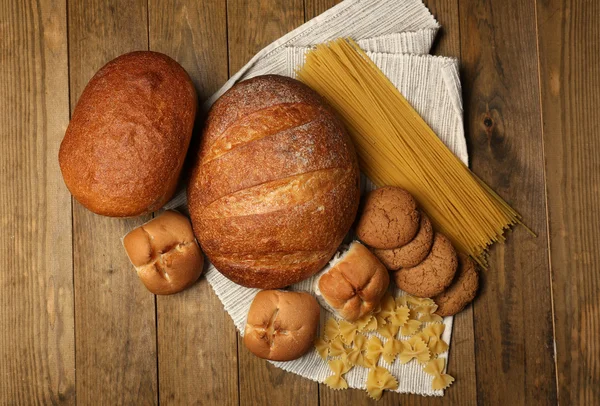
x=424, y=262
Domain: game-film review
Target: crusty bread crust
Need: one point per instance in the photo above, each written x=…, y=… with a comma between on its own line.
x=165, y=253
x=281, y=325
x=130, y=130
x=275, y=187
x=355, y=284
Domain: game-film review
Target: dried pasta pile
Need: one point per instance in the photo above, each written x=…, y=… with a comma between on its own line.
x=396, y=147
x=344, y=345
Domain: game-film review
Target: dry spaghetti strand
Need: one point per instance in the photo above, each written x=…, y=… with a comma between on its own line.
x=396, y=147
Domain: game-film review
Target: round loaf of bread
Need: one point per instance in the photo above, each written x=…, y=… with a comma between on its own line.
x=130, y=130
x=281, y=325
x=165, y=253
x=353, y=284
x=275, y=187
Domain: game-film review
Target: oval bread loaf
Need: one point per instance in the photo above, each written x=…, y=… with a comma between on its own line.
x=125, y=145
x=276, y=184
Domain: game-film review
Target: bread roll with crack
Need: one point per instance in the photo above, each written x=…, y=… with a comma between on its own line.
x=165, y=253
x=281, y=325
x=353, y=283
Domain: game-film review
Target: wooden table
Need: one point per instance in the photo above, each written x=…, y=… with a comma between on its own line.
x=76, y=325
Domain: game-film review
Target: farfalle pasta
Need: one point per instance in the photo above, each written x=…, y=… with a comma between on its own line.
x=415, y=348
x=352, y=344
x=400, y=316
x=388, y=330
x=441, y=380
x=336, y=381
x=336, y=347
x=347, y=331
x=432, y=335
x=322, y=348
x=391, y=349
x=378, y=380
x=371, y=325
x=373, y=351
x=410, y=328
x=363, y=322
x=332, y=329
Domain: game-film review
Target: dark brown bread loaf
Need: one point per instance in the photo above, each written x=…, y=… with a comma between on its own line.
x=125, y=145
x=276, y=184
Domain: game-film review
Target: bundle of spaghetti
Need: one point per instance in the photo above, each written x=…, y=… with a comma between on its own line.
x=395, y=146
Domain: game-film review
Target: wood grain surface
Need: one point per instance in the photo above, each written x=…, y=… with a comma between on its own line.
x=37, y=353
x=513, y=314
x=114, y=313
x=569, y=46
x=252, y=25
x=77, y=326
x=194, y=366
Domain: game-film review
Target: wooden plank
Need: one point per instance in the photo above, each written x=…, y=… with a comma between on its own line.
x=252, y=25
x=37, y=353
x=313, y=8
x=569, y=45
x=513, y=328
x=447, y=42
x=114, y=313
x=462, y=358
x=196, y=338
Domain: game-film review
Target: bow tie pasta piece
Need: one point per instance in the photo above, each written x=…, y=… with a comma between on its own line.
x=402, y=300
x=388, y=331
x=410, y=328
x=332, y=330
x=336, y=347
x=415, y=348
x=400, y=316
x=430, y=317
x=339, y=367
x=388, y=304
x=381, y=321
x=347, y=331
x=373, y=352
x=391, y=348
x=371, y=325
x=360, y=342
x=419, y=301
x=322, y=348
x=440, y=380
x=432, y=335
x=378, y=380
x=354, y=356
x=363, y=322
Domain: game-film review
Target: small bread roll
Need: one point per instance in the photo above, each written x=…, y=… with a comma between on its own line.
x=281, y=325
x=165, y=253
x=390, y=218
x=353, y=283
